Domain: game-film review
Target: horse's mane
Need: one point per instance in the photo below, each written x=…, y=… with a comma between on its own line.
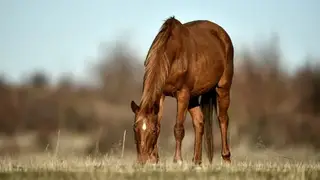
x=157, y=65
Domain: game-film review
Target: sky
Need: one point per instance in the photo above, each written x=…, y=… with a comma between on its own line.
x=64, y=35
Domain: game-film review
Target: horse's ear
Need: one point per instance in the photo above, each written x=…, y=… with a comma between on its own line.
x=134, y=107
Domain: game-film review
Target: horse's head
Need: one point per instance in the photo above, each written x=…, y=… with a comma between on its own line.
x=146, y=131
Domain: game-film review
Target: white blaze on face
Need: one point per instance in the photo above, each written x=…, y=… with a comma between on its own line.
x=144, y=126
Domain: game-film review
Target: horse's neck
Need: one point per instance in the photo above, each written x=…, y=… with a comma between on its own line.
x=147, y=105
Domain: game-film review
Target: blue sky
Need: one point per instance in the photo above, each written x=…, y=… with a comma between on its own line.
x=64, y=35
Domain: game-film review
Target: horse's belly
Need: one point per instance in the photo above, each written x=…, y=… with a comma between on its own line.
x=204, y=77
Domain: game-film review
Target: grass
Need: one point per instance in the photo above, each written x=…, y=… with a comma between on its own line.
x=45, y=166
x=68, y=162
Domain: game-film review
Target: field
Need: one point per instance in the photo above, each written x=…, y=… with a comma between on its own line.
x=262, y=165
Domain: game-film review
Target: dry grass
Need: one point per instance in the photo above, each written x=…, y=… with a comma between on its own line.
x=72, y=163
x=264, y=165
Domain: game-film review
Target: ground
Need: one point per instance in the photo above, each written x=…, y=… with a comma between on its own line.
x=47, y=166
x=69, y=161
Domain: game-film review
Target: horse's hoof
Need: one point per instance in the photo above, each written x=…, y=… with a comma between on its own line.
x=226, y=161
x=179, y=162
x=197, y=167
x=227, y=158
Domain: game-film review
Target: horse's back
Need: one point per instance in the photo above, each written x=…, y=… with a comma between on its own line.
x=207, y=46
x=204, y=26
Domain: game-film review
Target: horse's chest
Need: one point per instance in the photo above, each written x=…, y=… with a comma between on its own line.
x=172, y=86
x=170, y=90
x=174, y=82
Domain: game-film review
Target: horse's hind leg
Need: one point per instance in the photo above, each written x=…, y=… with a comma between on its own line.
x=183, y=97
x=197, y=121
x=223, y=97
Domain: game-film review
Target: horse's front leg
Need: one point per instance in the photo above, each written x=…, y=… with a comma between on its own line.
x=155, y=153
x=182, y=97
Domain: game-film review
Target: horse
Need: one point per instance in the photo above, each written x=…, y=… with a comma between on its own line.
x=193, y=63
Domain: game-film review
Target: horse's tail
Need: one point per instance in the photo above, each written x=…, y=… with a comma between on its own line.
x=208, y=104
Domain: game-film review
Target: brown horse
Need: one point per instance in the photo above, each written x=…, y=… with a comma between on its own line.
x=185, y=61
